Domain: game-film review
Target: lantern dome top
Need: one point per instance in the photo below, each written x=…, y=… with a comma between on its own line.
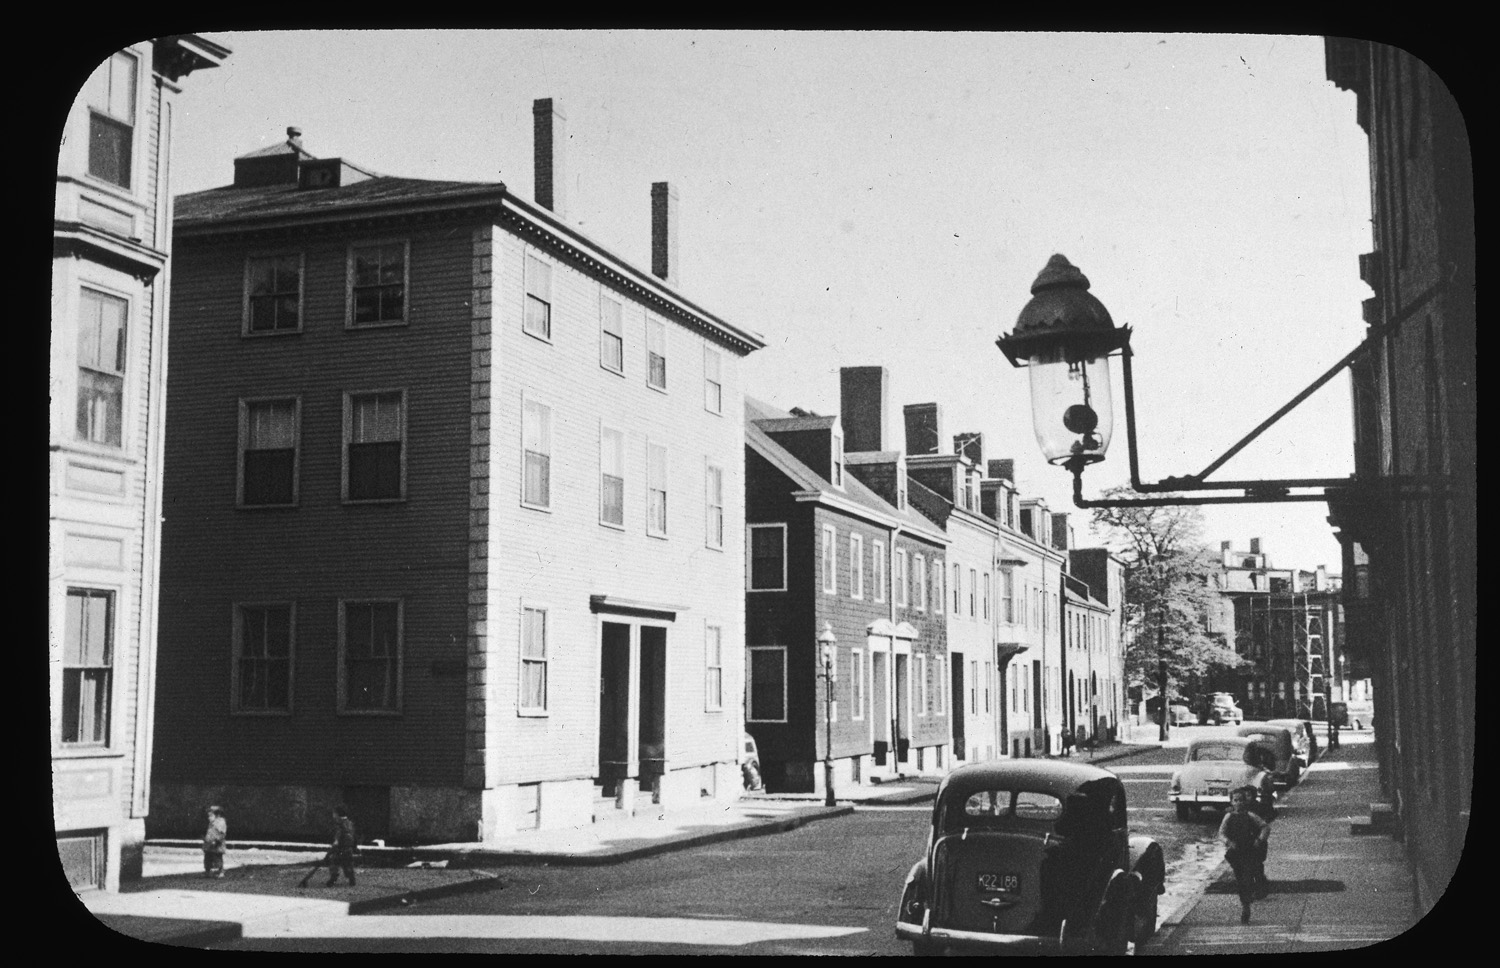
x=1059, y=272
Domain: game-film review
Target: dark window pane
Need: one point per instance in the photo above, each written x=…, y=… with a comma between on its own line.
x=375, y=470
x=268, y=476
x=614, y=499
x=538, y=479
x=767, y=684
x=109, y=150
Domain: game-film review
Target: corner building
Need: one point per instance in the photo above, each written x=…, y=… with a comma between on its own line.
x=454, y=511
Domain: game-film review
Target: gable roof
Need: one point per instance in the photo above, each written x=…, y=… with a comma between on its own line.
x=759, y=414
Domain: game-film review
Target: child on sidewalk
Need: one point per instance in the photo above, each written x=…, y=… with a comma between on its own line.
x=213, y=842
x=341, y=852
x=1246, y=837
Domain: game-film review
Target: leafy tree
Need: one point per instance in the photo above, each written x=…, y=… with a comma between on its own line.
x=1171, y=585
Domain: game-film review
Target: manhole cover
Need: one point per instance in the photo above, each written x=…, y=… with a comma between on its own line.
x=1225, y=885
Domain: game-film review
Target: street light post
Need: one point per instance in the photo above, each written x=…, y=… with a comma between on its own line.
x=827, y=641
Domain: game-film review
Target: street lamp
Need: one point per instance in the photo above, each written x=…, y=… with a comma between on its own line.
x=1064, y=338
x=828, y=641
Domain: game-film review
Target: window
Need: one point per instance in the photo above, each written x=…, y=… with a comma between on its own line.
x=374, y=432
x=538, y=318
x=830, y=559
x=986, y=587
x=923, y=686
x=101, y=367
x=713, y=669
x=836, y=460
x=88, y=666
x=533, y=698
x=901, y=582
x=536, y=453
x=974, y=686
x=713, y=381
x=857, y=683
x=939, y=683
x=989, y=674
x=111, y=99
x=611, y=334
x=877, y=572
x=958, y=590
x=656, y=353
x=767, y=549
x=273, y=294
x=611, y=477
x=656, y=489
x=919, y=576
x=973, y=583
x=714, y=485
x=767, y=684
x=1008, y=596
x=370, y=656
x=262, y=659
x=268, y=452
x=377, y=284
x=856, y=566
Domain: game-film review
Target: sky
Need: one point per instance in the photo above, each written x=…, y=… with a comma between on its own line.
x=887, y=198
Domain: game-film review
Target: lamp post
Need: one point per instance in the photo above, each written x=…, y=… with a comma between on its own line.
x=827, y=642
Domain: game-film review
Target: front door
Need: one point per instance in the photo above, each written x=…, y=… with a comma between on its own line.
x=653, y=723
x=880, y=707
x=901, y=722
x=959, y=745
x=614, y=704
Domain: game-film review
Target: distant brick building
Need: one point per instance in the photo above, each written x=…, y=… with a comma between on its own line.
x=111, y=244
x=454, y=511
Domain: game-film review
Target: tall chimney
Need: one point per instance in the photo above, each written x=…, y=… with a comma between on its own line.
x=1003, y=470
x=1060, y=534
x=863, y=392
x=924, y=428
x=1255, y=546
x=664, y=232
x=550, y=136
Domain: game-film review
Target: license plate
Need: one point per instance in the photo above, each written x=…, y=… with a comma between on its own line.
x=1218, y=787
x=1000, y=883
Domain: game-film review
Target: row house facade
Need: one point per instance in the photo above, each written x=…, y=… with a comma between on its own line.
x=111, y=243
x=1102, y=576
x=834, y=547
x=454, y=511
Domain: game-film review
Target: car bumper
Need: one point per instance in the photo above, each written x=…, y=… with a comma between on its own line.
x=1216, y=799
x=976, y=939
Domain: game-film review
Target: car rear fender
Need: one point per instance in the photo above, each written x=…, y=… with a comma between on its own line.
x=1148, y=861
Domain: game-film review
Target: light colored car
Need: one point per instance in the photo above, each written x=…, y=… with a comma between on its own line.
x=750, y=764
x=1361, y=714
x=1286, y=767
x=1213, y=768
x=1304, y=740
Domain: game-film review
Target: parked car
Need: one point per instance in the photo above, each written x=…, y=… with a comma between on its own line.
x=1031, y=856
x=1304, y=740
x=1361, y=714
x=1286, y=768
x=1214, y=767
x=1219, y=708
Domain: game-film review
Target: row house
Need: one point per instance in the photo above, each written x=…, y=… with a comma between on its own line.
x=835, y=549
x=1103, y=576
x=454, y=511
x=111, y=245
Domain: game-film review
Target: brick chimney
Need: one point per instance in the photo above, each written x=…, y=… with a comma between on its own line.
x=1060, y=534
x=1255, y=546
x=664, y=232
x=549, y=138
x=863, y=392
x=924, y=428
x=971, y=446
x=1003, y=470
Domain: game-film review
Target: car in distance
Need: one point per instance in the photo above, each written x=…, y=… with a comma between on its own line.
x=1213, y=768
x=1361, y=713
x=1286, y=768
x=1304, y=740
x=1031, y=856
x=1219, y=708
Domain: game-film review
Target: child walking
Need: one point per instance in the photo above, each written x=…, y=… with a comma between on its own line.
x=213, y=842
x=341, y=851
x=1246, y=837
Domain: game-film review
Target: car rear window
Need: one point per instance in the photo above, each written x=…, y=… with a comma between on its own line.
x=1207, y=752
x=1003, y=805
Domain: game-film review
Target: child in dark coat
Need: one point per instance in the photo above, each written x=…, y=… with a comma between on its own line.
x=213, y=843
x=1246, y=837
x=341, y=851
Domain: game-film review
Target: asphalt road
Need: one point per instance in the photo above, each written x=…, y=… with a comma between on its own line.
x=828, y=888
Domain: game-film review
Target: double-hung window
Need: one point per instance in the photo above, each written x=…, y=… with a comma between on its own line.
x=856, y=566
x=901, y=582
x=958, y=589
x=88, y=666
x=974, y=686
x=713, y=381
x=830, y=559
x=857, y=683
x=877, y=570
x=262, y=659
x=767, y=692
x=370, y=656
x=111, y=95
x=268, y=452
x=538, y=318
x=377, y=284
x=656, y=489
x=536, y=453
x=713, y=668
x=374, y=445
x=534, y=657
x=989, y=675
x=714, y=500
x=924, y=687
x=611, y=476
x=102, y=342
x=656, y=353
x=919, y=575
x=939, y=684
x=611, y=334
x=767, y=551
x=836, y=461
x=973, y=586
x=273, y=294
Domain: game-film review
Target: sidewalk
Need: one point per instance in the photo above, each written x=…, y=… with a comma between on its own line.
x=1331, y=888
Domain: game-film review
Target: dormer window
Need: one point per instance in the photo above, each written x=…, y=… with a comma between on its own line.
x=838, y=461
